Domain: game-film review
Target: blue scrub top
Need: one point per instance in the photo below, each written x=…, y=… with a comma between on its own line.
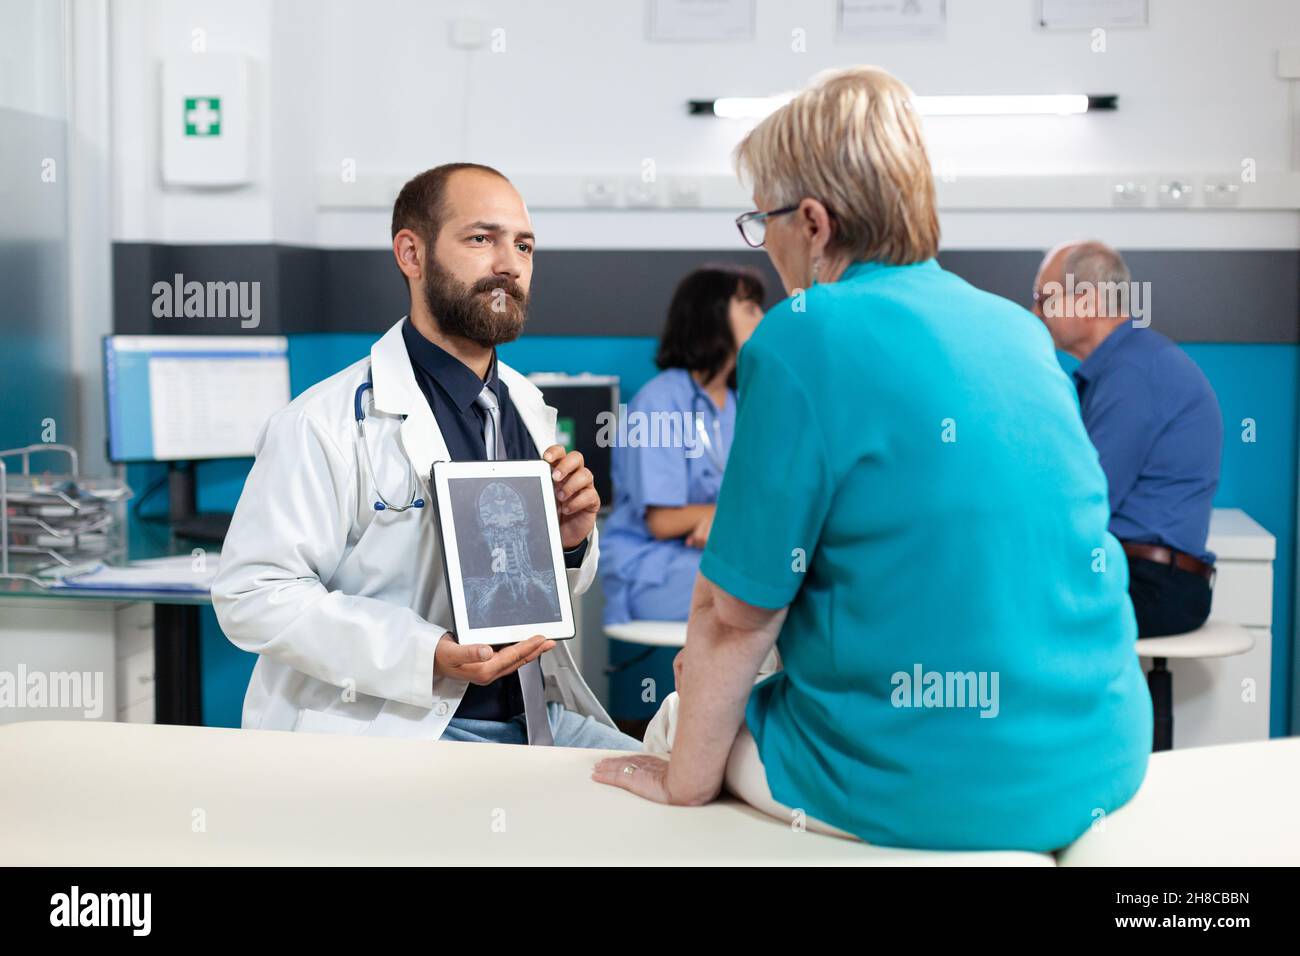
x=911, y=476
x=663, y=464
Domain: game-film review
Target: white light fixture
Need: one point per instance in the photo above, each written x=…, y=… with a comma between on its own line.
x=1063, y=104
x=745, y=107
x=1066, y=104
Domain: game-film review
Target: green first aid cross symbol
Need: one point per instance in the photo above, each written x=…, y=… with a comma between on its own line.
x=202, y=116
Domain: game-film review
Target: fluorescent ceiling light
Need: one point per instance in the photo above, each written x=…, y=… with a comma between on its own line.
x=1062, y=104
x=749, y=107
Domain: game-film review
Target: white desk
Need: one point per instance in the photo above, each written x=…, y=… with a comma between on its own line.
x=145, y=642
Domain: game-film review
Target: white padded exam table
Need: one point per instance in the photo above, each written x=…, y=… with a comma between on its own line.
x=99, y=793
x=1228, y=805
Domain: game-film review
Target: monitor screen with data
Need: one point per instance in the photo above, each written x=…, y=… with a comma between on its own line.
x=191, y=397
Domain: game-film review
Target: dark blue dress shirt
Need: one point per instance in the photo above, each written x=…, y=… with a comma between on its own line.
x=1156, y=423
x=450, y=386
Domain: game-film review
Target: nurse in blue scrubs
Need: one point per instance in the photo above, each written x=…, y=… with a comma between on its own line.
x=669, y=461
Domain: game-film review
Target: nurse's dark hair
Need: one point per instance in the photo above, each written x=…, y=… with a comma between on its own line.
x=420, y=204
x=697, y=335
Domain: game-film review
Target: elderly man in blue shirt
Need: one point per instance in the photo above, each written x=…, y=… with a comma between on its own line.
x=1156, y=424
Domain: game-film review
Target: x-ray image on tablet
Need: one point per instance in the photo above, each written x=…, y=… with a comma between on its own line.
x=504, y=552
x=505, y=565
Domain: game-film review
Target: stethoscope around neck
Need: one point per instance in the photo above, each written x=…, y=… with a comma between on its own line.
x=381, y=503
x=712, y=446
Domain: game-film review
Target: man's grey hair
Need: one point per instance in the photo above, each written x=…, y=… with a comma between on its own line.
x=1097, y=263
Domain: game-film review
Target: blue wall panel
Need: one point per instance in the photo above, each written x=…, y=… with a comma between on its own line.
x=1261, y=382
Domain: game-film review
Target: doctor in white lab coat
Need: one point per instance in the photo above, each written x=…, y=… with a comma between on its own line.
x=347, y=606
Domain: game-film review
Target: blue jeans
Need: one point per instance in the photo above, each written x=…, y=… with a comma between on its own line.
x=568, y=728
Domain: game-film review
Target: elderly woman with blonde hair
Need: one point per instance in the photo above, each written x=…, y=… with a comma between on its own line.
x=914, y=516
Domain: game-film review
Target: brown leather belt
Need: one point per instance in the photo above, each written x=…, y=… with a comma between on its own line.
x=1162, y=555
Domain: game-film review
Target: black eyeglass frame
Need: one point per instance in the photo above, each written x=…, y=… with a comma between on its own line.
x=759, y=216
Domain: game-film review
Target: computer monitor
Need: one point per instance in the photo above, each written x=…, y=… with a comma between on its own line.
x=579, y=401
x=191, y=397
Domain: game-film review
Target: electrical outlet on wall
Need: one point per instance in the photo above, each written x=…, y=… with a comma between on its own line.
x=1288, y=63
x=468, y=34
x=1175, y=192
x=1221, y=191
x=1129, y=193
x=600, y=191
x=684, y=193
x=641, y=195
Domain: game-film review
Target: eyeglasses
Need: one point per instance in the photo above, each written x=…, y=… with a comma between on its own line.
x=753, y=225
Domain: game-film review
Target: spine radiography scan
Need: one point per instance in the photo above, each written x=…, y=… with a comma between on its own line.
x=513, y=590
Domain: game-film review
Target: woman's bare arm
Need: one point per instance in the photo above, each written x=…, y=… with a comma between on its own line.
x=666, y=523
x=726, y=643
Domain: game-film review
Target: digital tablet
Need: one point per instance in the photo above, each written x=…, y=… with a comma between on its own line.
x=501, y=550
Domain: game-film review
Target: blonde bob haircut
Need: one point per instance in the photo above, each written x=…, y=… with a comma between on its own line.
x=852, y=141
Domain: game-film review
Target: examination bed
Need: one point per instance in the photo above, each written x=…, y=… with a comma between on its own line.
x=100, y=793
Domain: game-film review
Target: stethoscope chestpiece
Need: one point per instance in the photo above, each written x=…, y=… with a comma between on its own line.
x=417, y=503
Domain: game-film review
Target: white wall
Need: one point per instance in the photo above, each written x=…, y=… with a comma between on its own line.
x=31, y=67
x=579, y=91
x=144, y=33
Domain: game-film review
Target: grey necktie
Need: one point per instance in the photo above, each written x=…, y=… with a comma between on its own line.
x=530, y=675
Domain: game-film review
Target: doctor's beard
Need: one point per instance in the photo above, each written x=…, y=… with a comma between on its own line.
x=489, y=312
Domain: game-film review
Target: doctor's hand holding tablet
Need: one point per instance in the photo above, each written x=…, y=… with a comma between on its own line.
x=576, y=505
x=575, y=495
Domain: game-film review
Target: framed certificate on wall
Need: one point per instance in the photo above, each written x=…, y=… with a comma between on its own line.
x=1091, y=14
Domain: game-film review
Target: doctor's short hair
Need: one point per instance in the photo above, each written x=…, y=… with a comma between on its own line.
x=420, y=204
x=697, y=335
x=852, y=141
